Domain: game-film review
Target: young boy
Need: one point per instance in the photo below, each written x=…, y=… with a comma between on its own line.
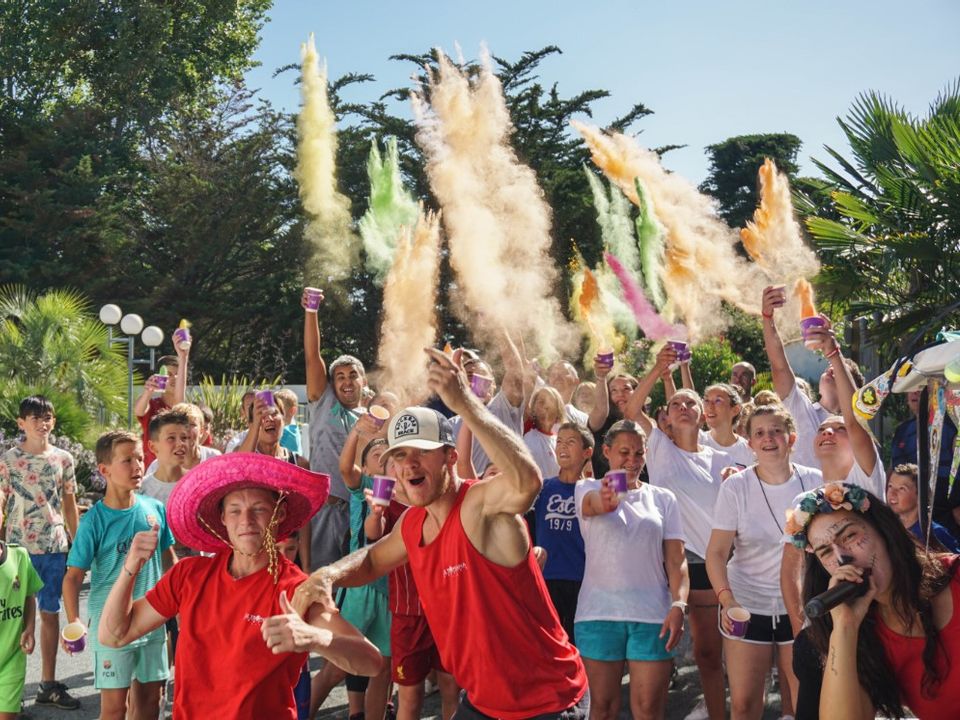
x=291, y=431
x=38, y=489
x=170, y=443
x=557, y=529
x=101, y=546
x=20, y=584
x=148, y=404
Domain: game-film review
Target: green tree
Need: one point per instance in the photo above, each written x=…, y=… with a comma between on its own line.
x=887, y=231
x=732, y=175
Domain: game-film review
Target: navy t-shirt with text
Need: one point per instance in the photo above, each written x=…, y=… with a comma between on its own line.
x=558, y=531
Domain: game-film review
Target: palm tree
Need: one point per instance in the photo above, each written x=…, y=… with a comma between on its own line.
x=887, y=223
x=51, y=344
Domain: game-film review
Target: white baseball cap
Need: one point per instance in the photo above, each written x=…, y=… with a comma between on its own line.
x=421, y=428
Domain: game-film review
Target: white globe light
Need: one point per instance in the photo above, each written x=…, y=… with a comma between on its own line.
x=110, y=314
x=152, y=336
x=131, y=324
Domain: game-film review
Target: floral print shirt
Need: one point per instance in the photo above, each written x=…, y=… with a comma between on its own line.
x=32, y=489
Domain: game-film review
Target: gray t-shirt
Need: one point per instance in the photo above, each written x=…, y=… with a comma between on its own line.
x=330, y=423
x=506, y=413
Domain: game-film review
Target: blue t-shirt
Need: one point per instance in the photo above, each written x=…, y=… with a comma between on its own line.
x=558, y=531
x=358, y=513
x=939, y=532
x=103, y=539
x=291, y=438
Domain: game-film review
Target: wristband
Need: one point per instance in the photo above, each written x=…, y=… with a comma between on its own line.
x=723, y=590
x=682, y=606
x=768, y=317
x=127, y=571
x=836, y=351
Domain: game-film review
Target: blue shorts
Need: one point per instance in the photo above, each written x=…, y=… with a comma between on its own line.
x=51, y=567
x=116, y=668
x=618, y=640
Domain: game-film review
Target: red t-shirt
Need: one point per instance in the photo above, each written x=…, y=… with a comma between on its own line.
x=495, y=627
x=404, y=598
x=223, y=666
x=905, y=655
x=156, y=405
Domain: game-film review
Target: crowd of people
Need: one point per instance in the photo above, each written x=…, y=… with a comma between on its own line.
x=519, y=543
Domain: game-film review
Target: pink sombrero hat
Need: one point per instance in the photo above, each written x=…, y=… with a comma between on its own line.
x=199, y=492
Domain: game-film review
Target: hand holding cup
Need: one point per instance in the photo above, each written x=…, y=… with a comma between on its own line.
x=774, y=296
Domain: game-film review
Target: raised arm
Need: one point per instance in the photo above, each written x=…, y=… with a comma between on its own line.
x=142, y=406
x=780, y=370
x=465, y=468
x=686, y=376
x=315, y=366
x=601, y=397
x=180, y=380
x=519, y=481
x=634, y=410
x=361, y=433
x=512, y=385
x=669, y=386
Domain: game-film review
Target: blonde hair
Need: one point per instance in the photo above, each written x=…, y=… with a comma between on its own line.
x=558, y=405
x=288, y=398
x=191, y=411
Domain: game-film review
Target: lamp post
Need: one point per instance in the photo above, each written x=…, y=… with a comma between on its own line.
x=131, y=325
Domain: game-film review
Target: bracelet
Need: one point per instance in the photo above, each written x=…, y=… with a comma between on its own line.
x=768, y=317
x=721, y=590
x=127, y=571
x=836, y=351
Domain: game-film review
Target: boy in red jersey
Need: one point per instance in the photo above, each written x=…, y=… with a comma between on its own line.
x=472, y=560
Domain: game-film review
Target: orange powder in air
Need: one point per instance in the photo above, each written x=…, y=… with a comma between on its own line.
x=804, y=293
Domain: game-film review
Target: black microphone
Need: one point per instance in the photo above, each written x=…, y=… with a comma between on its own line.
x=843, y=591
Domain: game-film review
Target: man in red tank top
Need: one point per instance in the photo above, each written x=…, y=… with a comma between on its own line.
x=471, y=557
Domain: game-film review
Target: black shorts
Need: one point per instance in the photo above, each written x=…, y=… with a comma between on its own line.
x=766, y=629
x=564, y=594
x=697, y=569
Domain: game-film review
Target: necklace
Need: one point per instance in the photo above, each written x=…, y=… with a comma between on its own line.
x=767, y=500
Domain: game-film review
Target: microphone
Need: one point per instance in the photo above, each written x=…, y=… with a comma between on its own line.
x=843, y=591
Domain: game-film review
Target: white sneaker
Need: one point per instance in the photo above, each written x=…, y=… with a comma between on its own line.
x=699, y=712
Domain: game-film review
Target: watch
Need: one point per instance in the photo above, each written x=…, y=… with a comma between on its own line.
x=684, y=608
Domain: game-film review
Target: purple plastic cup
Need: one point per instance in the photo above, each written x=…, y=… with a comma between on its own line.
x=740, y=619
x=605, y=357
x=682, y=348
x=480, y=385
x=382, y=489
x=75, y=636
x=807, y=324
x=617, y=480
x=181, y=338
x=379, y=414
x=313, y=298
x=160, y=381
x=266, y=396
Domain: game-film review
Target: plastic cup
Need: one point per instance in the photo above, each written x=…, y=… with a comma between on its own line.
x=740, y=619
x=617, y=480
x=480, y=385
x=382, y=490
x=379, y=414
x=314, y=296
x=181, y=338
x=266, y=396
x=160, y=381
x=605, y=357
x=682, y=348
x=808, y=324
x=75, y=636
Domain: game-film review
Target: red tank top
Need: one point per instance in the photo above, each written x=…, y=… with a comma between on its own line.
x=495, y=627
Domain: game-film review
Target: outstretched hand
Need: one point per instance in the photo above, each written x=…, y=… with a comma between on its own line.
x=447, y=378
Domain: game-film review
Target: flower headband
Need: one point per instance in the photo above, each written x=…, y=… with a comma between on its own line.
x=832, y=496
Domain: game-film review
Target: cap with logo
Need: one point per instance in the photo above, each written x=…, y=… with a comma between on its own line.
x=421, y=428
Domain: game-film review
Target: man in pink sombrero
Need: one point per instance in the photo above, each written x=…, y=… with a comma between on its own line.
x=241, y=647
x=470, y=554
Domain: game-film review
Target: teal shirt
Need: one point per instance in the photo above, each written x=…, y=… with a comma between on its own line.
x=358, y=513
x=103, y=539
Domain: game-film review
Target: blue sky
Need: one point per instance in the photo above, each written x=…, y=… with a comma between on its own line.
x=709, y=70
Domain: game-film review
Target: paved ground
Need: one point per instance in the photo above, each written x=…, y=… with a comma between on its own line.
x=77, y=674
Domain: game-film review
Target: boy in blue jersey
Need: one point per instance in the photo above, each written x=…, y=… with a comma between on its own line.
x=556, y=526
x=101, y=545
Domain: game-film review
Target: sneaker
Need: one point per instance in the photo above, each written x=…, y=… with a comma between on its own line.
x=699, y=712
x=57, y=696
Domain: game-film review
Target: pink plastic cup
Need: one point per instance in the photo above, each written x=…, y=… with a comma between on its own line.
x=160, y=381
x=740, y=619
x=617, y=480
x=382, y=490
x=605, y=357
x=314, y=296
x=75, y=636
x=480, y=385
x=808, y=324
x=266, y=396
x=181, y=338
x=379, y=414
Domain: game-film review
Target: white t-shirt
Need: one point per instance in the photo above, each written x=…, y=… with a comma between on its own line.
x=205, y=454
x=506, y=413
x=740, y=451
x=694, y=479
x=757, y=512
x=875, y=482
x=577, y=415
x=624, y=578
x=157, y=489
x=808, y=416
x=543, y=447
x=236, y=440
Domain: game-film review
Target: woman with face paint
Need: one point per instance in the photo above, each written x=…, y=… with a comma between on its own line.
x=634, y=594
x=897, y=644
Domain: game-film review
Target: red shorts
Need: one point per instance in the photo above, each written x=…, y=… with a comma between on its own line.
x=413, y=653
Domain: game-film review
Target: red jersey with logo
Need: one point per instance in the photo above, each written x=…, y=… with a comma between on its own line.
x=495, y=626
x=223, y=666
x=157, y=404
x=404, y=598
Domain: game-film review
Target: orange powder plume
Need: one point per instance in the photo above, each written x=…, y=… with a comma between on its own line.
x=804, y=293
